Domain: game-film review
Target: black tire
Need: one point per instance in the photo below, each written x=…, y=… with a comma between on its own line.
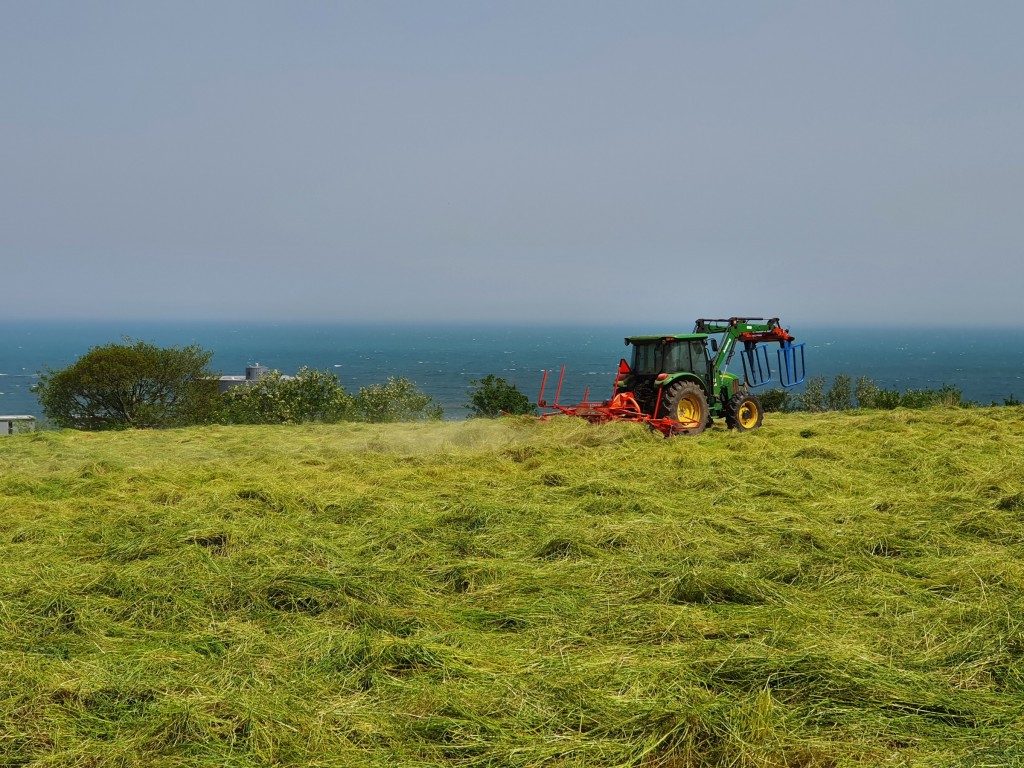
x=685, y=401
x=744, y=412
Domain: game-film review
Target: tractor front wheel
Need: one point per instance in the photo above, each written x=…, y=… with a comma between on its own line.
x=744, y=412
x=685, y=402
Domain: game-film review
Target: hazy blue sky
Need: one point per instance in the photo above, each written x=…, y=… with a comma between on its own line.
x=484, y=161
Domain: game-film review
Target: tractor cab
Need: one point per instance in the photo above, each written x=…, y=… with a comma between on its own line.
x=658, y=359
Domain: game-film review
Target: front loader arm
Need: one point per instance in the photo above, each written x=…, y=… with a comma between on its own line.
x=751, y=331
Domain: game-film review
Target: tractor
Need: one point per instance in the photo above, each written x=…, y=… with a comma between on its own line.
x=680, y=383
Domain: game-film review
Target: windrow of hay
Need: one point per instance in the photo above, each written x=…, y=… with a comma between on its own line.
x=833, y=590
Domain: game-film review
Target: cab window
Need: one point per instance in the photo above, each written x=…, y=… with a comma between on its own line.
x=646, y=359
x=699, y=355
x=677, y=357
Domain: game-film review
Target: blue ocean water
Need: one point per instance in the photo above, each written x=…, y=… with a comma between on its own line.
x=986, y=364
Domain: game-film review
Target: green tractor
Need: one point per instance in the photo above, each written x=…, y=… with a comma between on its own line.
x=683, y=379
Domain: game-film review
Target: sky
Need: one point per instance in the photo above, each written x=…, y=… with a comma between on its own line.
x=532, y=161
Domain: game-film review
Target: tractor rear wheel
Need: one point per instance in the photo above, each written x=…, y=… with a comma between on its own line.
x=685, y=401
x=744, y=412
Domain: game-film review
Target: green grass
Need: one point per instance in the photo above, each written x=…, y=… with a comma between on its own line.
x=833, y=590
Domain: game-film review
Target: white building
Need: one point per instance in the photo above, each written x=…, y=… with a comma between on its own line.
x=11, y=425
x=253, y=373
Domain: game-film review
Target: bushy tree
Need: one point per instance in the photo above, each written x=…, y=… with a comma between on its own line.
x=398, y=400
x=813, y=398
x=310, y=395
x=776, y=400
x=866, y=392
x=492, y=396
x=134, y=384
x=888, y=399
x=840, y=394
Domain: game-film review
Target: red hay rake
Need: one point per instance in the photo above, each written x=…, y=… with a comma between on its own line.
x=622, y=407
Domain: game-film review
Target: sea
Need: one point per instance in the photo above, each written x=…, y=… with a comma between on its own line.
x=986, y=364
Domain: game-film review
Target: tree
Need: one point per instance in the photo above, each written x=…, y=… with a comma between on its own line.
x=776, y=400
x=493, y=396
x=866, y=392
x=813, y=398
x=398, y=400
x=310, y=395
x=134, y=384
x=840, y=395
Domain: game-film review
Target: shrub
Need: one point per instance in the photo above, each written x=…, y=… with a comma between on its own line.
x=776, y=400
x=311, y=395
x=813, y=398
x=492, y=396
x=398, y=400
x=134, y=384
x=840, y=395
x=866, y=392
x=946, y=395
x=869, y=395
x=887, y=399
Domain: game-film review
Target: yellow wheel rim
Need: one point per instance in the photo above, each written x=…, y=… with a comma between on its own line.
x=748, y=414
x=689, y=409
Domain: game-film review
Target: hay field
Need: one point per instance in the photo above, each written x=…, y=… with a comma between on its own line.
x=832, y=590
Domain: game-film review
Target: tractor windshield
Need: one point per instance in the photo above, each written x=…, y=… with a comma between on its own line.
x=652, y=358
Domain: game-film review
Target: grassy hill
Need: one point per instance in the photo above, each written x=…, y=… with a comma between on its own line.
x=833, y=590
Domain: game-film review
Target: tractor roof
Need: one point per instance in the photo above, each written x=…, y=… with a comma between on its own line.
x=667, y=336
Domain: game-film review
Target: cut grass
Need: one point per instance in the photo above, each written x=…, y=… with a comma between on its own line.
x=833, y=590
